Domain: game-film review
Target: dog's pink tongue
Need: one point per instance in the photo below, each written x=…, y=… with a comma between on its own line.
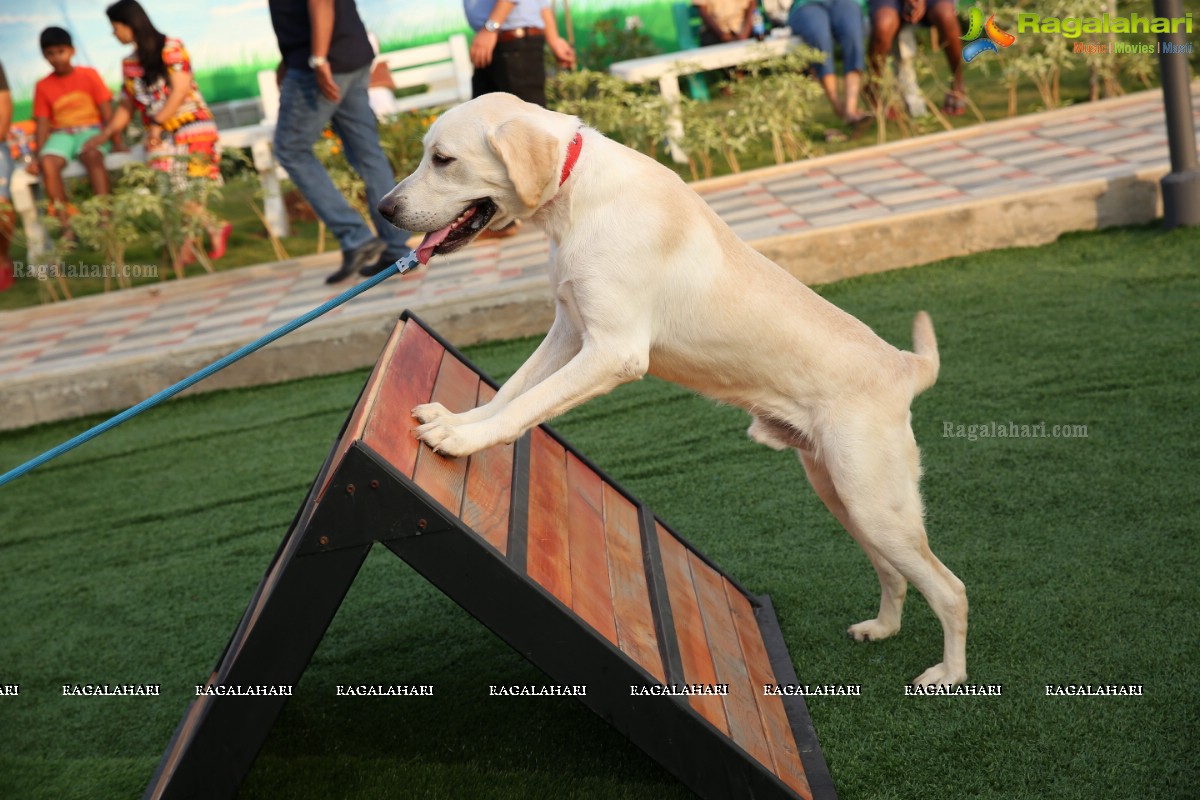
x=432, y=240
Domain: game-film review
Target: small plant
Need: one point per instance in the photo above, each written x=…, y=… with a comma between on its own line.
x=110, y=223
x=784, y=99
x=401, y=137
x=626, y=112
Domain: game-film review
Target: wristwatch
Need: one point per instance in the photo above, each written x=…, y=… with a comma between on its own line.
x=317, y=61
x=491, y=26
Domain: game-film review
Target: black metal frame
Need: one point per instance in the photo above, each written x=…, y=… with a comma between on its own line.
x=367, y=501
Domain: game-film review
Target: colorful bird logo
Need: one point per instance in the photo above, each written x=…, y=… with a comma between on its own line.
x=996, y=38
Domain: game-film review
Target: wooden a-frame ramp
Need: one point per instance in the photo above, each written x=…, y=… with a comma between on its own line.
x=546, y=551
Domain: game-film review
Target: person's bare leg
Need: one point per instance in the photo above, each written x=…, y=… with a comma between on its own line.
x=853, y=87
x=93, y=162
x=51, y=169
x=829, y=84
x=943, y=18
x=885, y=24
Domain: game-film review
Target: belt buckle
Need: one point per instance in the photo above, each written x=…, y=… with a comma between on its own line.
x=519, y=33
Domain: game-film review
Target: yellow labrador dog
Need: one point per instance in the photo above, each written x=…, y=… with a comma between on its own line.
x=648, y=279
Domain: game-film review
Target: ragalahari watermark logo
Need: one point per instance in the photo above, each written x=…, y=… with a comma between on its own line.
x=994, y=38
x=1112, y=25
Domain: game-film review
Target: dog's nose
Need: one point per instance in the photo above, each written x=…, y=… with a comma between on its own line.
x=388, y=207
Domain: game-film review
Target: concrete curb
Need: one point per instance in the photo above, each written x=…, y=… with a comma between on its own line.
x=1024, y=219
x=339, y=345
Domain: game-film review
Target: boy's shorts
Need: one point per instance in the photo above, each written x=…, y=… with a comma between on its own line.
x=6, y=168
x=67, y=143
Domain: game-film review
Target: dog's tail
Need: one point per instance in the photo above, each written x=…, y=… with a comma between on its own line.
x=924, y=357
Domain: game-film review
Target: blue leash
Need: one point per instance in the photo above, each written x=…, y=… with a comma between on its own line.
x=403, y=265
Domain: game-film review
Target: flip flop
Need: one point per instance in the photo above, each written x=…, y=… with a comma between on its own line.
x=955, y=105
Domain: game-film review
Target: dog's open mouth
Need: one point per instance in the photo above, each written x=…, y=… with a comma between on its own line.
x=462, y=230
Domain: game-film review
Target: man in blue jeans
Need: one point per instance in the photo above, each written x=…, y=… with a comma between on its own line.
x=325, y=73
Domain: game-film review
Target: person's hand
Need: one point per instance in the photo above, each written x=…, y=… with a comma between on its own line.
x=94, y=142
x=32, y=167
x=914, y=10
x=563, y=52
x=482, y=47
x=326, y=83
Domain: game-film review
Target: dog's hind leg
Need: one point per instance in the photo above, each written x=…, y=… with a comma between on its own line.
x=879, y=488
x=892, y=585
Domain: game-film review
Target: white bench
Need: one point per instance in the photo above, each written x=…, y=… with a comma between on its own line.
x=667, y=68
x=444, y=71
x=21, y=187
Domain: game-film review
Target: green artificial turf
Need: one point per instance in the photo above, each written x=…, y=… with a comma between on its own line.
x=132, y=559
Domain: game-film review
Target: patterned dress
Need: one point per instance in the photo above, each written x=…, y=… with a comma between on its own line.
x=189, y=139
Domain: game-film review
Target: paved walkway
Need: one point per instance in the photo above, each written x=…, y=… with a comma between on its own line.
x=1111, y=139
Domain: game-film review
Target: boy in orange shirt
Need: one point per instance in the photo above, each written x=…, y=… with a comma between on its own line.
x=70, y=105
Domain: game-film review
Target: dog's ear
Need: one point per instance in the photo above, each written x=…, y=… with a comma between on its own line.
x=530, y=154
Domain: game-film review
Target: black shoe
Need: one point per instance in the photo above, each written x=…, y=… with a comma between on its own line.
x=379, y=266
x=356, y=259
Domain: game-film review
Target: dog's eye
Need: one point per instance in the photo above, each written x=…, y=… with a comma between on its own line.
x=441, y=160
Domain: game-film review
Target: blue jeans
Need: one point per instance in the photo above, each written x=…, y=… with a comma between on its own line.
x=6, y=170
x=303, y=114
x=819, y=22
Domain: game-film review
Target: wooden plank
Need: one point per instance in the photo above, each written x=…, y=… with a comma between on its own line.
x=627, y=575
x=457, y=388
x=489, y=488
x=786, y=758
x=591, y=591
x=548, y=559
x=741, y=704
x=408, y=382
x=362, y=411
x=698, y=665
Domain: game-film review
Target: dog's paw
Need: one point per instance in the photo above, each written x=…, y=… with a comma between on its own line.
x=871, y=630
x=940, y=675
x=429, y=412
x=455, y=441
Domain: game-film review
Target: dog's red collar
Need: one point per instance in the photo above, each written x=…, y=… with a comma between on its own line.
x=572, y=156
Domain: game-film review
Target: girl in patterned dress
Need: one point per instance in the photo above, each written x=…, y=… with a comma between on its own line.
x=181, y=135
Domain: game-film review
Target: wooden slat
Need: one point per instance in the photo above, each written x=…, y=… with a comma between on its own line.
x=627, y=576
x=362, y=411
x=591, y=592
x=741, y=704
x=548, y=559
x=489, y=488
x=408, y=382
x=787, y=764
x=444, y=478
x=698, y=666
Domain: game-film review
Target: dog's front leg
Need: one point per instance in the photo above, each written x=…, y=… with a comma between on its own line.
x=561, y=344
x=596, y=369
